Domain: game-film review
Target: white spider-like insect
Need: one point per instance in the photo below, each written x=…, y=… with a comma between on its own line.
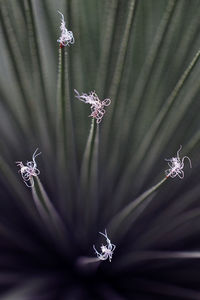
x=97, y=106
x=66, y=37
x=29, y=170
x=106, y=251
x=176, y=165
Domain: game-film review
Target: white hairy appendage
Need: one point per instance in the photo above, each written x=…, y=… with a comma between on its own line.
x=106, y=251
x=29, y=170
x=96, y=105
x=176, y=165
x=66, y=37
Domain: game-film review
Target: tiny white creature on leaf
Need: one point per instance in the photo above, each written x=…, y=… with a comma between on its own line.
x=66, y=37
x=96, y=105
x=106, y=251
x=176, y=165
x=29, y=170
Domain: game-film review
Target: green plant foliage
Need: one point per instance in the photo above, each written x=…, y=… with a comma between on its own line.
x=145, y=57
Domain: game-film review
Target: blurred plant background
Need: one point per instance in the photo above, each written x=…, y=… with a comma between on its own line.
x=144, y=56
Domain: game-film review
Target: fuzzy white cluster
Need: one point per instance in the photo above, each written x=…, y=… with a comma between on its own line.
x=176, y=166
x=96, y=105
x=29, y=170
x=106, y=251
x=66, y=37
